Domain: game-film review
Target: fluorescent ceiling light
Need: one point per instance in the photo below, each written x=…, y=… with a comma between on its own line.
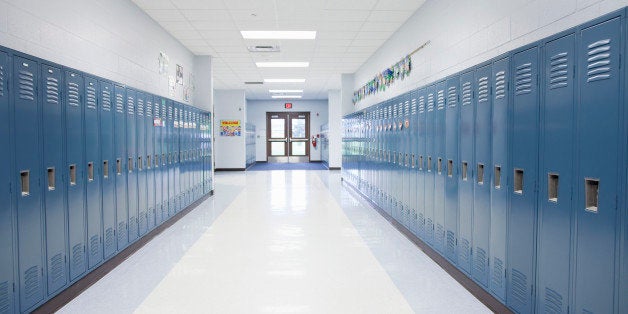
x=278, y=34
x=282, y=64
x=285, y=96
x=285, y=91
x=284, y=80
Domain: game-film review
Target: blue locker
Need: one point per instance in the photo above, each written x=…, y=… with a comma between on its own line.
x=150, y=162
x=392, y=154
x=163, y=140
x=75, y=169
x=396, y=183
x=600, y=165
x=421, y=142
x=185, y=156
x=405, y=160
x=119, y=131
x=451, y=161
x=158, y=168
x=142, y=189
x=6, y=217
x=430, y=152
x=177, y=154
x=501, y=175
x=524, y=152
x=169, y=141
x=440, y=164
x=556, y=163
x=414, y=157
x=482, y=178
x=54, y=190
x=108, y=163
x=132, y=169
x=93, y=167
x=27, y=177
x=465, y=179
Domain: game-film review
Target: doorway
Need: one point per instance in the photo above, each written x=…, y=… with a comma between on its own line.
x=288, y=136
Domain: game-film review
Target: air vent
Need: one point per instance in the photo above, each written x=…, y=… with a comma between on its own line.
x=263, y=48
x=253, y=83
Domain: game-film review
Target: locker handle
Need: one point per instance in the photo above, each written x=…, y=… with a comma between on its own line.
x=51, y=178
x=591, y=187
x=429, y=163
x=130, y=164
x=421, y=162
x=73, y=174
x=25, y=181
x=118, y=166
x=140, y=164
x=450, y=168
x=105, y=167
x=148, y=162
x=465, y=167
x=90, y=171
x=518, y=184
x=498, y=177
x=440, y=166
x=552, y=187
x=480, y=176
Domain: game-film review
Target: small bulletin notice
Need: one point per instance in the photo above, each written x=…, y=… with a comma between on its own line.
x=230, y=128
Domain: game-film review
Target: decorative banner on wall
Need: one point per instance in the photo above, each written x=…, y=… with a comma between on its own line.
x=382, y=80
x=230, y=128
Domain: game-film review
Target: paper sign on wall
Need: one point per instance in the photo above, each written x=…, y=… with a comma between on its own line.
x=230, y=128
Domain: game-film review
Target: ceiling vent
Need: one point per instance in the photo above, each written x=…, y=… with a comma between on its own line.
x=253, y=83
x=263, y=48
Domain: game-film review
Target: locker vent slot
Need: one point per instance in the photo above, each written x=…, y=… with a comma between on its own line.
x=591, y=187
x=497, y=177
x=430, y=226
x=465, y=251
x=523, y=79
x=519, y=287
x=480, y=260
x=452, y=98
x=440, y=233
x=407, y=109
x=91, y=97
x=106, y=100
x=72, y=174
x=94, y=246
x=156, y=110
x=31, y=282
x=122, y=237
x=450, y=168
x=52, y=90
x=148, y=162
x=441, y=99
x=414, y=107
x=422, y=104
x=518, y=186
x=164, y=113
x=118, y=166
x=440, y=165
x=465, y=167
x=109, y=237
x=599, y=61
x=27, y=85
x=558, y=75
x=56, y=267
x=2, y=79
x=130, y=165
x=119, y=103
x=105, y=169
x=430, y=102
x=480, y=175
x=78, y=256
x=25, y=182
x=429, y=163
x=498, y=272
x=130, y=105
x=149, y=109
x=4, y=295
x=140, y=164
x=51, y=178
x=451, y=243
x=552, y=187
x=553, y=301
x=483, y=89
x=140, y=107
x=500, y=85
x=73, y=94
x=466, y=94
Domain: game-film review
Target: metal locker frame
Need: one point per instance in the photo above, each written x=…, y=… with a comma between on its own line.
x=451, y=161
x=93, y=182
x=169, y=141
x=405, y=162
x=119, y=166
x=140, y=159
x=132, y=173
x=150, y=162
x=421, y=151
x=430, y=161
x=466, y=177
x=413, y=158
x=161, y=203
x=176, y=152
x=440, y=168
x=106, y=101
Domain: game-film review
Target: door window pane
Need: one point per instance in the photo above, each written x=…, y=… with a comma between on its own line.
x=298, y=148
x=298, y=128
x=277, y=128
x=278, y=149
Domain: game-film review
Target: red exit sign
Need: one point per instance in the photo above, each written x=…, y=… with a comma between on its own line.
x=288, y=105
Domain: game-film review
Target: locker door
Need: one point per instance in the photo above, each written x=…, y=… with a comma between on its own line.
x=150, y=162
x=597, y=182
x=108, y=163
x=120, y=166
x=451, y=162
x=522, y=226
x=158, y=169
x=93, y=167
x=430, y=152
x=482, y=178
x=440, y=167
x=142, y=190
x=421, y=141
x=395, y=171
x=164, y=161
x=185, y=156
x=27, y=178
x=54, y=189
x=171, y=159
x=557, y=131
x=405, y=138
x=75, y=171
x=499, y=186
x=6, y=217
x=132, y=168
x=465, y=179
x=414, y=156
x=177, y=152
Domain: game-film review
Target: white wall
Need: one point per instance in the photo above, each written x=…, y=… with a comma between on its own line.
x=113, y=39
x=256, y=114
x=464, y=33
x=229, y=151
x=335, y=129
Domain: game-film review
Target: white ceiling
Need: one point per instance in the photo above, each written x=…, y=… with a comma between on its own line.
x=349, y=32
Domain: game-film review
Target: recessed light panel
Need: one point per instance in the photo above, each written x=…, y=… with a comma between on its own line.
x=282, y=64
x=284, y=80
x=278, y=34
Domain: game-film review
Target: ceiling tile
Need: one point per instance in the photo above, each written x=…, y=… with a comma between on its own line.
x=154, y=4
x=374, y=35
x=176, y=25
x=389, y=16
x=212, y=25
x=351, y=5
x=165, y=15
x=200, y=4
x=380, y=26
x=400, y=5
x=206, y=15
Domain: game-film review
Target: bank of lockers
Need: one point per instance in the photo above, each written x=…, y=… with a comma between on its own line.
x=87, y=175
x=520, y=169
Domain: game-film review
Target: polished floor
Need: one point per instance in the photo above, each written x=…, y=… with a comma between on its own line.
x=278, y=242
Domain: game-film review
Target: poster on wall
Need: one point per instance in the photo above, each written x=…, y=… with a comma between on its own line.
x=230, y=128
x=179, y=74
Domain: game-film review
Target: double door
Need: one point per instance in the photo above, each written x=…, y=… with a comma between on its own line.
x=288, y=136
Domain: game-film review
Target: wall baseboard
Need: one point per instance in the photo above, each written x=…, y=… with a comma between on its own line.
x=229, y=169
